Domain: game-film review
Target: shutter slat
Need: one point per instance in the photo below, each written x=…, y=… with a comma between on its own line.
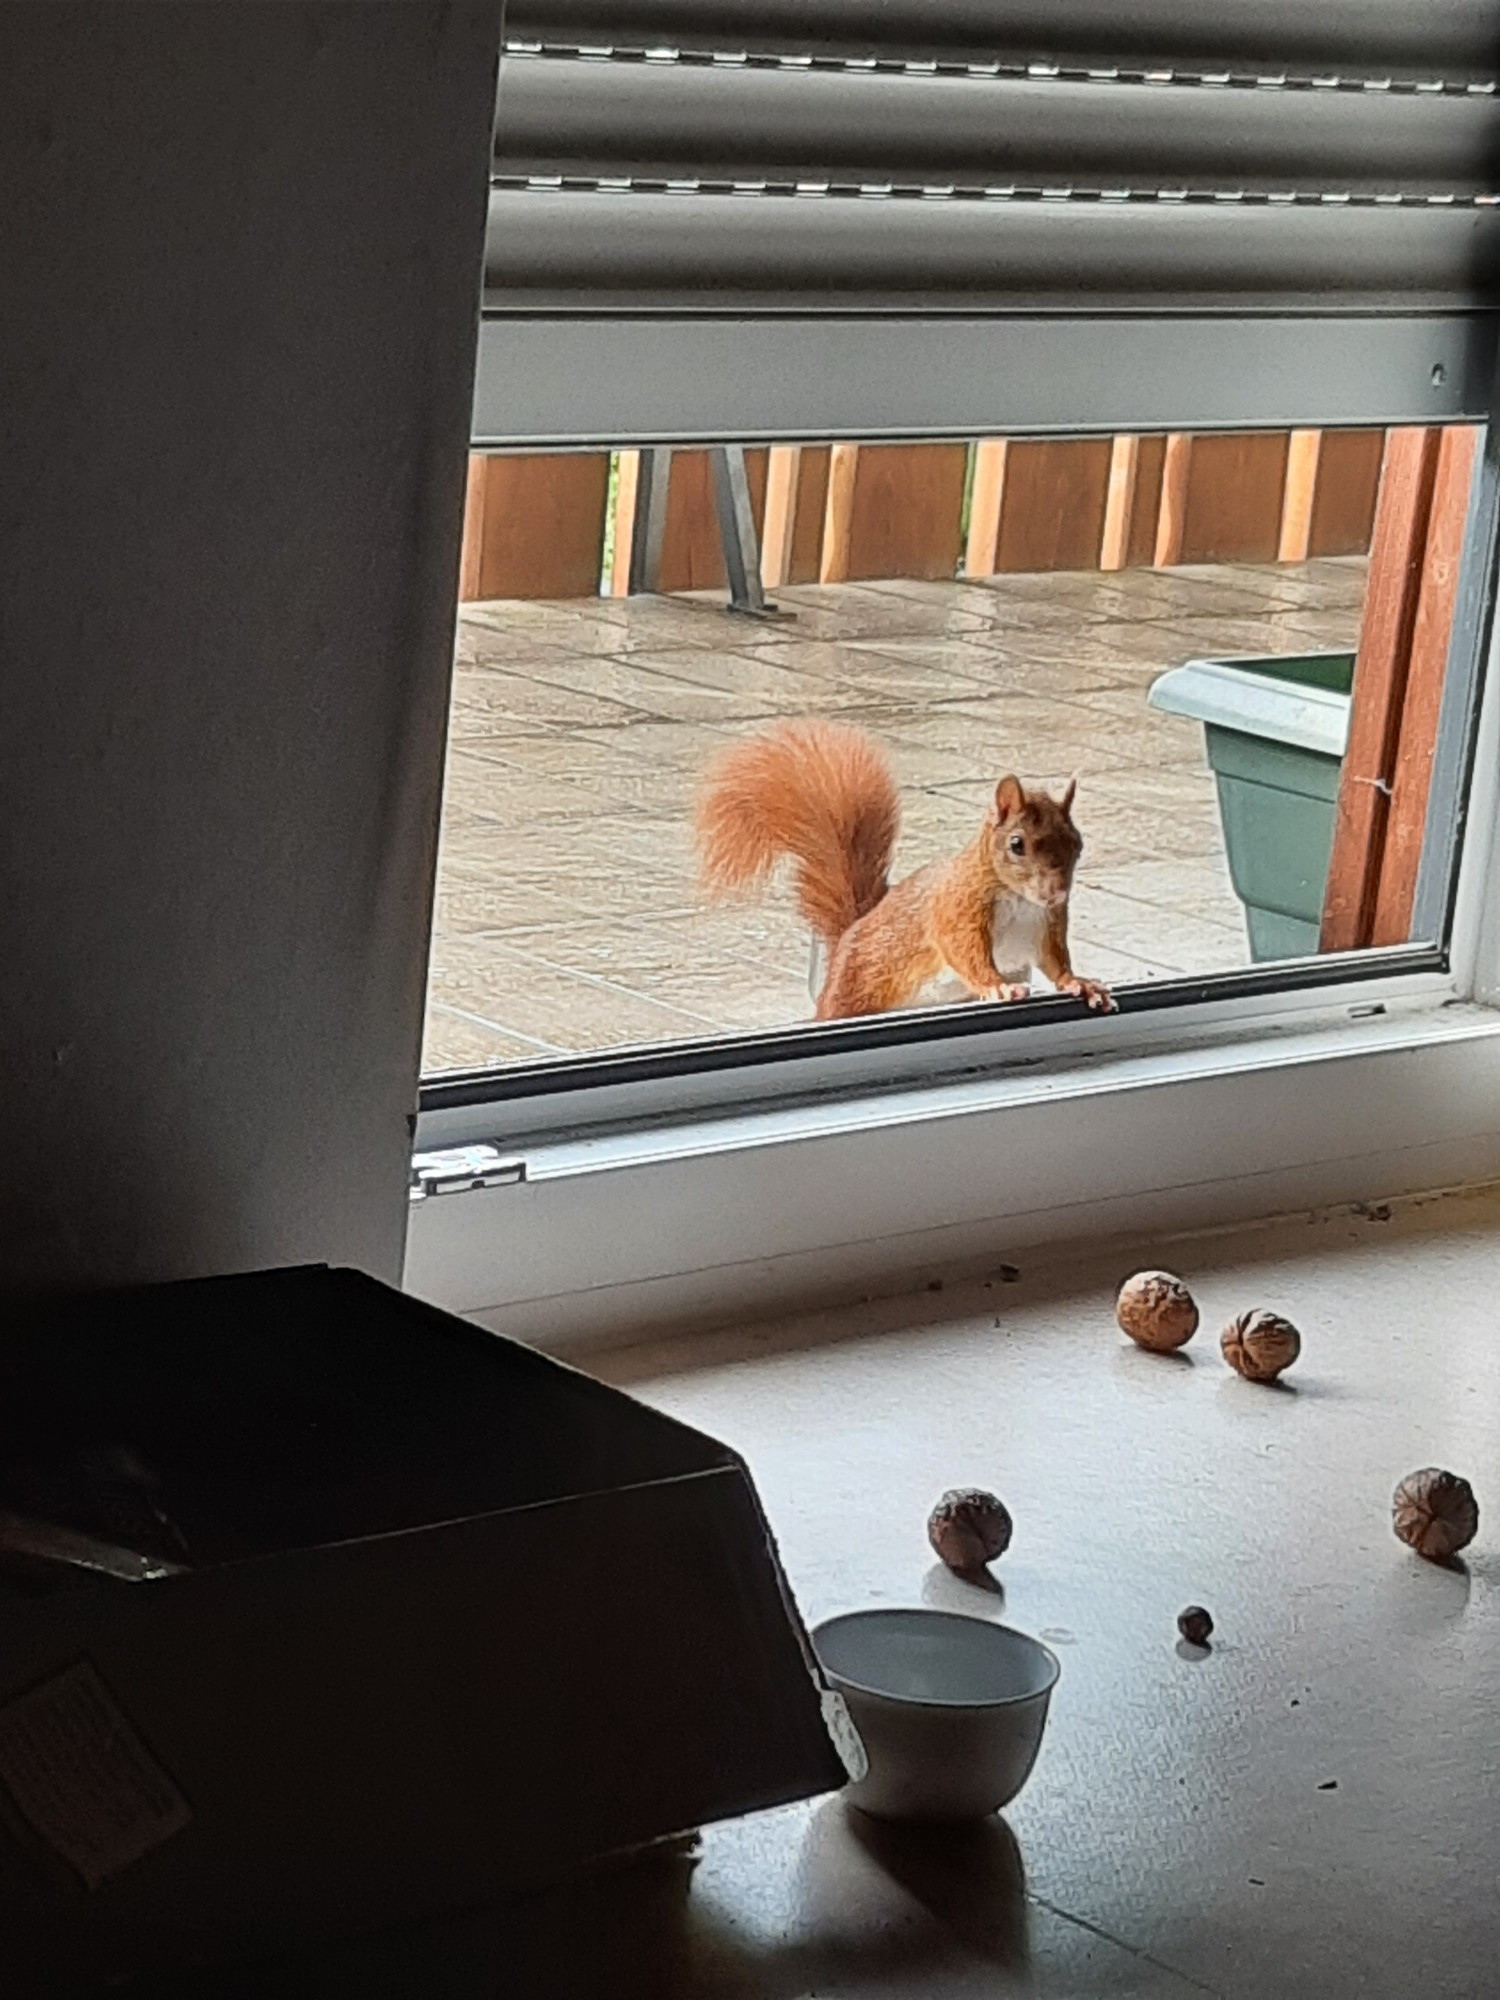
x=644, y=121
x=593, y=251
x=570, y=380
x=1454, y=40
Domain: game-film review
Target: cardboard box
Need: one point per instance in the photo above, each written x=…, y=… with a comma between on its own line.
x=353, y=1613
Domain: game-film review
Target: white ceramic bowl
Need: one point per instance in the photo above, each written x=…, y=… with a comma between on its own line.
x=950, y=1709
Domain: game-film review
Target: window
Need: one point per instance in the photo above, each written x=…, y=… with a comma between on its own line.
x=1174, y=621
x=1141, y=441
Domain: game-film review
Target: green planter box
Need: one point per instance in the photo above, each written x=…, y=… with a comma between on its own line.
x=1276, y=730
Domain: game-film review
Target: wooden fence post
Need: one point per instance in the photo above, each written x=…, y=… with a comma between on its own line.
x=471, y=560
x=627, y=484
x=1171, y=518
x=1119, y=502
x=783, y=471
x=1398, y=547
x=1303, y=451
x=1437, y=591
x=986, y=500
x=838, y=513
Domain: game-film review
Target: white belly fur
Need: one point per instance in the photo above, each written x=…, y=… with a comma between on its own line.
x=1016, y=932
x=1016, y=929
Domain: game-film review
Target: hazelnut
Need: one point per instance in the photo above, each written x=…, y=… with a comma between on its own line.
x=1435, y=1513
x=1195, y=1625
x=968, y=1528
x=1258, y=1345
x=1157, y=1311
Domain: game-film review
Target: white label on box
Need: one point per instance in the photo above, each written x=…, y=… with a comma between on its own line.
x=82, y=1778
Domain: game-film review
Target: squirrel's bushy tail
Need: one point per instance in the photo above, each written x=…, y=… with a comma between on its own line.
x=817, y=793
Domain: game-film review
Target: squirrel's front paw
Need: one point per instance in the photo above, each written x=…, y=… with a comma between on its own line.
x=1010, y=989
x=1091, y=992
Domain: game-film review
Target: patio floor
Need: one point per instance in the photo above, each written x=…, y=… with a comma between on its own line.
x=568, y=915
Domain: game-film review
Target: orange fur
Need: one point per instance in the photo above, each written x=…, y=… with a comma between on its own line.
x=823, y=797
x=813, y=793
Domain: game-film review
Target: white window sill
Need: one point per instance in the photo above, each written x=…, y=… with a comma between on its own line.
x=770, y=1209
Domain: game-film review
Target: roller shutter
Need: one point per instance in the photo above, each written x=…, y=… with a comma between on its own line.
x=723, y=214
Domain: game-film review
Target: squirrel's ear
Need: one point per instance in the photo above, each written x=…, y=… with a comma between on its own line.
x=1070, y=792
x=1009, y=798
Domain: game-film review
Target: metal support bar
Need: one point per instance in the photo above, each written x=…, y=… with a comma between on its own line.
x=652, y=484
x=737, y=536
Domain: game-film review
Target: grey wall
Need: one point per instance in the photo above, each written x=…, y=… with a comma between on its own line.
x=239, y=264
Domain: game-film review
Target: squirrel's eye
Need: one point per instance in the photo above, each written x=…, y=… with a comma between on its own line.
x=1016, y=843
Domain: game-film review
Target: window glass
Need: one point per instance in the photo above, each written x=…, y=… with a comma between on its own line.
x=1236, y=646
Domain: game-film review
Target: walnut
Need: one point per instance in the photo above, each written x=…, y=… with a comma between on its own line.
x=1195, y=1625
x=1157, y=1311
x=1259, y=1345
x=1435, y=1513
x=968, y=1528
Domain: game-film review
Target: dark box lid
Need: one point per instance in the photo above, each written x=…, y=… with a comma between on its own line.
x=425, y=1619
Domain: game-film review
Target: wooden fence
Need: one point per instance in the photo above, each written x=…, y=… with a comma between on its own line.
x=539, y=526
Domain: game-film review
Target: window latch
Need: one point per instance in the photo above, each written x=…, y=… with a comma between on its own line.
x=460, y=1169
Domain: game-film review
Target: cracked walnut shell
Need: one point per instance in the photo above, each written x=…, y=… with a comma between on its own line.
x=969, y=1528
x=1157, y=1311
x=1435, y=1513
x=1259, y=1345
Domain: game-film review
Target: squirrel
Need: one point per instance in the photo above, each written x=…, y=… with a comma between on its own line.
x=822, y=795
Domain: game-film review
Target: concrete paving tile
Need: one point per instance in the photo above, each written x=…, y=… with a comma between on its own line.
x=486, y=700
x=1155, y=930
x=867, y=615
x=964, y=668
x=650, y=684
x=756, y=685
x=496, y=903
x=738, y=997
x=1251, y=636
x=523, y=994
x=456, y=1041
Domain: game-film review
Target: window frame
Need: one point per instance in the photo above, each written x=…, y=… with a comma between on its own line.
x=689, y=1117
